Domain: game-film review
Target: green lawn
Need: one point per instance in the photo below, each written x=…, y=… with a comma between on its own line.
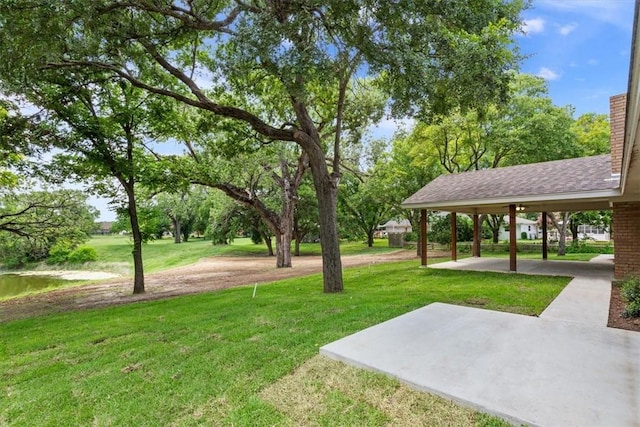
x=551, y=256
x=163, y=254
x=210, y=359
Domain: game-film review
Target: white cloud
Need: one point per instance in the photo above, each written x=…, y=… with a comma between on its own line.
x=592, y=61
x=614, y=12
x=567, y=29
x=533, y=26
x=548, y=74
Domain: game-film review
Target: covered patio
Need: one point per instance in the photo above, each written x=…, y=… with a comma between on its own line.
x=586, y=183
x=605, y=182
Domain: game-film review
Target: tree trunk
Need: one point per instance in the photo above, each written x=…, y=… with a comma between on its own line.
x=298, y=235
x=562, y=238
x=562, y=231
x=138, y=272
x=185, y=235
x=176, y=229
x=286, y=220
x=562, y=243
x=496, y=235
x=370, y=238
x=326, y=193
x=296, y=249
x=574, y=231
x=283, y=250
x=267, y=241
x=494, y=222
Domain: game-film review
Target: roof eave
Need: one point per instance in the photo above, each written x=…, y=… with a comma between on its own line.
x=574, y=196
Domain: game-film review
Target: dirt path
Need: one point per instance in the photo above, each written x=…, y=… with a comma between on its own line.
x=208, y=274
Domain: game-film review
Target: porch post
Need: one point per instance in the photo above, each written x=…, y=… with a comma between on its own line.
x=544, y=236
x=423, y=237
x=512, y=238
x=454, y=236
x=476, y=235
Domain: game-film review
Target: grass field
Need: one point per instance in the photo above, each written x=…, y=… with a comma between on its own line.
x=223, y=358
x=551, y=256
x=164, y=254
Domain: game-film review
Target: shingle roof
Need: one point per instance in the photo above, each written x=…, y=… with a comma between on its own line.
x=579, y=175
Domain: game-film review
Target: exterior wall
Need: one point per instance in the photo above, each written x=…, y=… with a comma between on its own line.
x=626, y=235
x=617, y=109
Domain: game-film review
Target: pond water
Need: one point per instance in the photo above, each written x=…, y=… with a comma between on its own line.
x=13, y=284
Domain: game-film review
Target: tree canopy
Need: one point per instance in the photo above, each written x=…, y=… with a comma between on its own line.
x=242, y=61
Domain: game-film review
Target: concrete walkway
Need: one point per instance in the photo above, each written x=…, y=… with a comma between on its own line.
x=562, y=369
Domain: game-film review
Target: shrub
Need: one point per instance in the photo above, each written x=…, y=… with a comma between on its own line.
x=582, y=247
x=631, y=294
x=59, y=252
x=411, y=236
x=82, y=254
x=523, y=235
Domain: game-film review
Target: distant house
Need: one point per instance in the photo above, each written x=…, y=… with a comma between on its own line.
x=593, y=232
x=522, y=225
x=395, y=227
x=104, y=228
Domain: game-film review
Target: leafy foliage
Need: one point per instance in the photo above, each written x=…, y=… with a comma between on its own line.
x=440, y=229
x=583, y=247
x=593, y=131
x=33, y=223
x=82, y=254
x=631, y=293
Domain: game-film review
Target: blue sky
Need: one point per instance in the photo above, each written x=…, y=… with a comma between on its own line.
x=581, y=47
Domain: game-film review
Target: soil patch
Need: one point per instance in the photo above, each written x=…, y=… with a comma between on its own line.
x=71, y=274
x=616, y=308
x=209, y=274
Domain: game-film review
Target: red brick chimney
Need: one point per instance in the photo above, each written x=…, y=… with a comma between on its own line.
x=617, y=112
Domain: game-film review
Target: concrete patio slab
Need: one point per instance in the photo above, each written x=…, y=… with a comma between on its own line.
x=565, y=368
x=524, y=369
x=586, y=298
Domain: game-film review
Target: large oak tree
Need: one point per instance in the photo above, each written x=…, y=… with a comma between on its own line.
x=429, y=55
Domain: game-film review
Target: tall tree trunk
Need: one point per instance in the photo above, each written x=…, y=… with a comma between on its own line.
x=326, y=193
x=268, y=242
x=562, y=231
x=574, y=230
x=370, y=238
x=138, y=272
x=176, y=229
x=289, y=199
x=296, y=249
x=326, y=186
x=297, y=235
x=494, y=222
x=562, y=244
x=283, y=250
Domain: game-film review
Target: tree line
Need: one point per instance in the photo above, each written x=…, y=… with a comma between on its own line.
x=270, y=102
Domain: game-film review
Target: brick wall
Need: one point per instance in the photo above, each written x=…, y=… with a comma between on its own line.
x=626, y=229
x=617, y=108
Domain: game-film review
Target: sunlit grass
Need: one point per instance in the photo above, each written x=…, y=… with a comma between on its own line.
x=204, y=359
x=164, y=253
